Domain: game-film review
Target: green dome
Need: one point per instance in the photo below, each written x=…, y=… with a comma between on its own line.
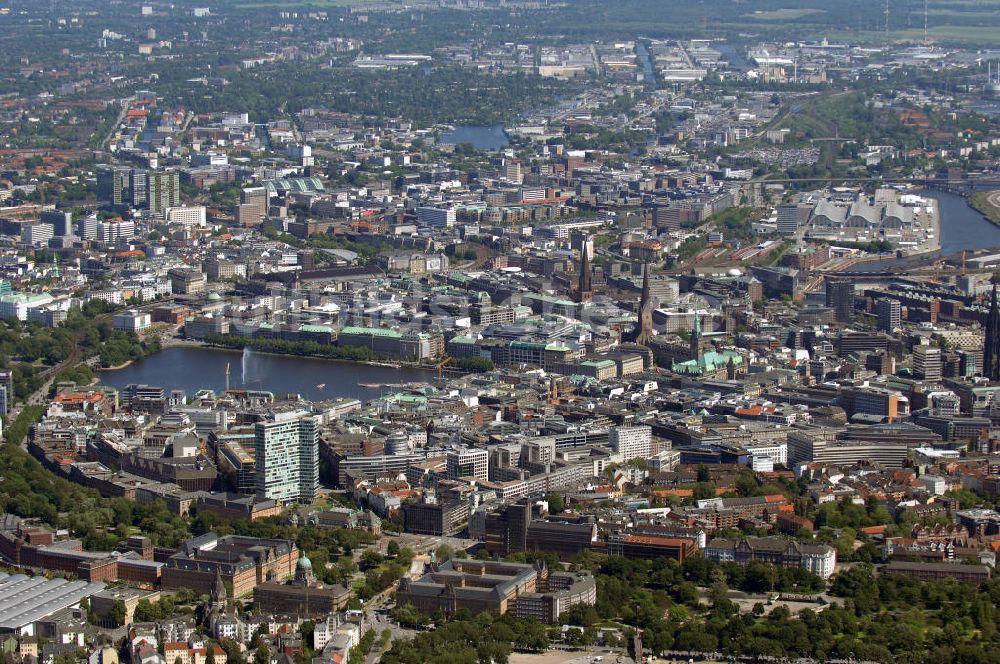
x=305, y=563
x=214, y=297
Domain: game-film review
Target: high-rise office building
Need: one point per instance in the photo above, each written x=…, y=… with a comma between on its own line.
x=139, y=183
x=840, y=298
x=472, y=462
x=969, y=363
x=253, y=206
x=631, y=442
x=788, y=218
x=164, y=191
x=113, y=184
x=667, y=218
x=138, y=188
x=86, y=228
x=927, y=363
x=513, y=172
x=889, y=314
x=287, y=457
x=61, y=222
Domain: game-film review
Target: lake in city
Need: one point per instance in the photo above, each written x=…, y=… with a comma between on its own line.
x=482, y=138
x=192, y=369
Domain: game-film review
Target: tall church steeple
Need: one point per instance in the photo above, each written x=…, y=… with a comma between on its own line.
x=645, y=310
x=991, y=353
x=584, y=287
x=219, y=597
x=696, y=337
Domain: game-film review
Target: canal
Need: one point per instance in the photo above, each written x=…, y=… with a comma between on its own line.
x=647, y=63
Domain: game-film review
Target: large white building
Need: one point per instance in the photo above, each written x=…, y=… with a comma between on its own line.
x=111, y=296
x=287, y=457
x=86, y=228
x=111, y=231
x=776, y=452
x=819, y=559
x=37, y=235
x=131, y=321
x=631, y=442
x=327, y=630
x=472, y=462
x=209, y=159
x=436, y=217
x=188, y=216
x=16, y=305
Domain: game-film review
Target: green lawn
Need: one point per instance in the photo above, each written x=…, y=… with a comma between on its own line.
x=983, y=201
x=971, y=36
x=783, y=14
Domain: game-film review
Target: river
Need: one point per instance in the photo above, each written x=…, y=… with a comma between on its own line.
x=192, y=369
x=481, y=138
x=962, y=228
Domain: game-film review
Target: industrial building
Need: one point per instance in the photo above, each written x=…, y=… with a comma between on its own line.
x=25, y=600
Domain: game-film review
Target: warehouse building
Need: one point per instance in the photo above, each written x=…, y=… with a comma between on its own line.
x=26, y=600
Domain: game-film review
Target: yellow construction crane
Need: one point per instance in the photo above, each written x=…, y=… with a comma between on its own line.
x=440, y=368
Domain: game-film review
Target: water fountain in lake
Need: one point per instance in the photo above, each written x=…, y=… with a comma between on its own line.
x=245, y=363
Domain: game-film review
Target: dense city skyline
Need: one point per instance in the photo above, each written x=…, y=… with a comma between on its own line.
x=499, y=331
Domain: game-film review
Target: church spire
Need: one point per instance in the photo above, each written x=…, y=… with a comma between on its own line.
x=219, y=595
x=584, y=288
x=645, y=285
x=645, y=310
x=696, y=337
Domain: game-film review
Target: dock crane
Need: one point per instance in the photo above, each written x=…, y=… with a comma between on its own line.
x=440, y=368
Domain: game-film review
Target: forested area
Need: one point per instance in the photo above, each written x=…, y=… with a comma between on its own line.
x=29, y=349
x=483, y=638
x=869, y=616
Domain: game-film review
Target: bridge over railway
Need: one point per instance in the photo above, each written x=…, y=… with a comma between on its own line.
x=955, y=185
